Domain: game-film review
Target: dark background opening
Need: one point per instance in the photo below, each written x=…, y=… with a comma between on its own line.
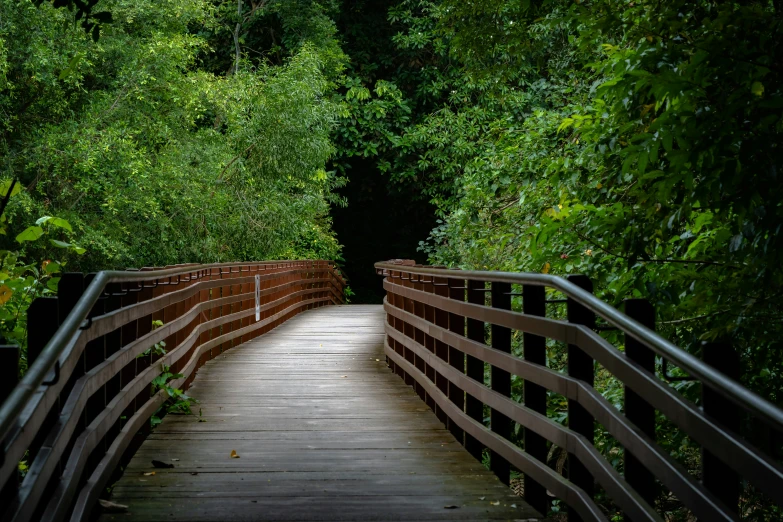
x=382, y=221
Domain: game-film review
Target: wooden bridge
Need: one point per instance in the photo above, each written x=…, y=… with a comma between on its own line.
x=354, y=412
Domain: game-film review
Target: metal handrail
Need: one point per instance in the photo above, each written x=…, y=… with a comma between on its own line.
x=710, y=377
x=35, y=376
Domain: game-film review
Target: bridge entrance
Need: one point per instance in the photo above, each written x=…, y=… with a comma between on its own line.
x=322, y=430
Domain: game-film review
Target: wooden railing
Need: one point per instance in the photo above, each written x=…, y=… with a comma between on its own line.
x=85, y=402
x=443, y=326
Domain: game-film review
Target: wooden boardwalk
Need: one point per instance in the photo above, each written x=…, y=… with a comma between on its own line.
x=323, y=431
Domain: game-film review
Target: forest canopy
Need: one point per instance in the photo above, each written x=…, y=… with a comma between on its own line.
x=636, y=142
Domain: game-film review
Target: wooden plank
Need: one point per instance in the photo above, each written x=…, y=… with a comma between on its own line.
x=324, y=431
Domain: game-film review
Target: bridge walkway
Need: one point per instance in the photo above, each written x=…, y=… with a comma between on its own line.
x=322, y=430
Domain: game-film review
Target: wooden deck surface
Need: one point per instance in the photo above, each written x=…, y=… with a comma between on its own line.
x=323, y=430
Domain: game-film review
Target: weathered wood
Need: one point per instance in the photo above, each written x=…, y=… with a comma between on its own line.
x=324, y=431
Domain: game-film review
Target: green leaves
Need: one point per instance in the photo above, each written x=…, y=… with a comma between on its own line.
x=55, y=222
x=30, y=234
x=72, y=65
x=6, y=185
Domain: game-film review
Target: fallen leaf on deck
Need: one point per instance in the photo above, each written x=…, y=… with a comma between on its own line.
x=482, y=498
x=162, y=465
x=450, y=507
x=513, y=506
x=111, y=507
x=495, y=503
x=343, y=376
x=234, y=454
x=149, y=474
x=194, y=472
x=175, y=460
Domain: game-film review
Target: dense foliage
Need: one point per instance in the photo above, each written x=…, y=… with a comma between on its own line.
x=152, y=153
x=155, y=144
x=636, y=142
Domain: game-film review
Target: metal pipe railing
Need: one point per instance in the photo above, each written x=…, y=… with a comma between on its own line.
x=48, y=360
x=728, y=388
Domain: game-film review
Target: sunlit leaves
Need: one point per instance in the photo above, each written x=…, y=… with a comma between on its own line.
x=157, y=160
x=30, y=234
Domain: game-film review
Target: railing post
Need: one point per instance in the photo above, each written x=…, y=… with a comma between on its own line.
x=421, y=338
x=9, y=377
x=396, y=301
x=225, y=291
x=9, y=370
x=42, y=323
x=407, y=329
x=475, y=368
x=637, y=410
x=717, y=477
x=94, y=354
x=69, y=291
x=112, y=343
x=534, y=347
x=500, y=380
x=456, y=357
x=429, y=341
x=440, y=287
x=580, y=366
x=128, y=334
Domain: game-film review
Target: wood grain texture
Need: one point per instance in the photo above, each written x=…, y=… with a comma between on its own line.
x=324, y=431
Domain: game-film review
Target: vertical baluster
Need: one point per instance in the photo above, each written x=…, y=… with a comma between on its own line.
x=534, y=348
x=500, y=380
x=69, y=290
x=180, y=308
x=441, y=318
x=717, y=477
x=42, y=323
x=214, y=312
x=475, y=367
x=397, y=301
x=580, y=366
x=391, y=321
x=9, y=377
x=457, y=358
x=637, y=410
x=204, y=296
x=112, y=343
x=420, y=337
x=170, y=313
x=407, y=329
x=128, y=334
x=94, y=354
x=9, y=370
x=225, y=291
x=247, y=303
x=143, y=327
x=429, y=341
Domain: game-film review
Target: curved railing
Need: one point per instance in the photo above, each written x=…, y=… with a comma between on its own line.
x=436, y=341
x=86, y=394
